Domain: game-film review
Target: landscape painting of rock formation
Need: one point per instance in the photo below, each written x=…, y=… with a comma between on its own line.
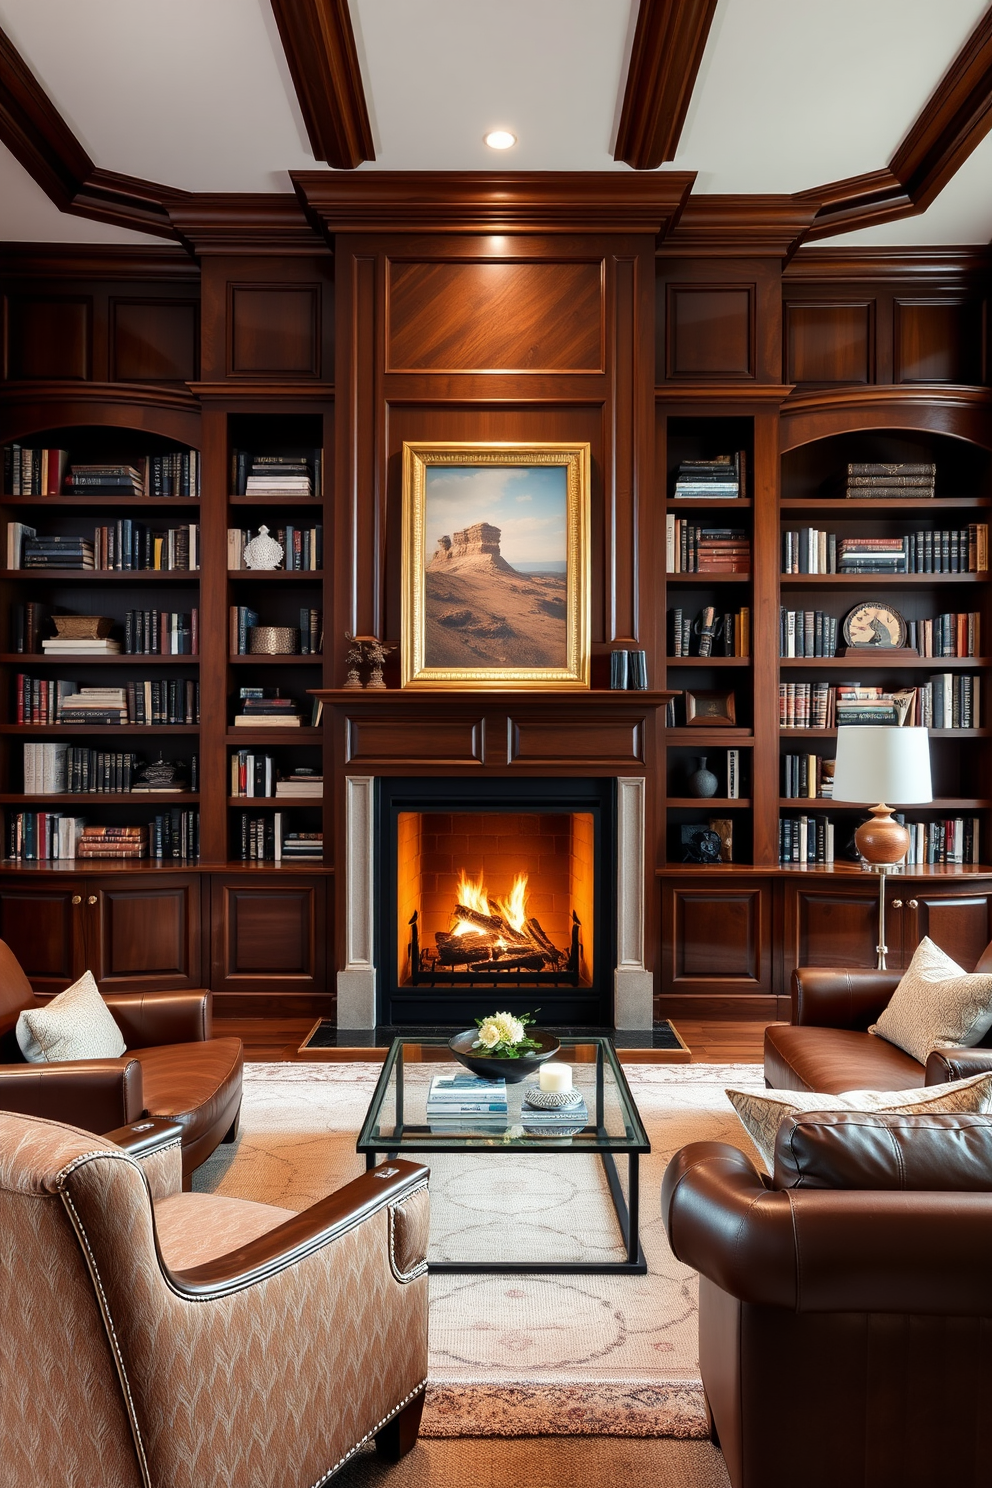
x=496, y=584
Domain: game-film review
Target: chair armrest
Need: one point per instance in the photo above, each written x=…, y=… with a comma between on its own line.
x=390, y=1184
x=956, y=1064
x=156, y=1145
x=97, y=1095
x=840, y=996
x=149, y=1018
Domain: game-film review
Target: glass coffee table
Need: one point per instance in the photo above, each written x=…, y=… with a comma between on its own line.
x=396, y=1125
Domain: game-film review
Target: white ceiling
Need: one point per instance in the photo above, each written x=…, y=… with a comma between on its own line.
x=196, y=94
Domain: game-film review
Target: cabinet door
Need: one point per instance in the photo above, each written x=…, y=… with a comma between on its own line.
x=835, y=925
x=42, y=922
x=959, y=922
x=716, y=939
x=143, y=933
x=268, y=935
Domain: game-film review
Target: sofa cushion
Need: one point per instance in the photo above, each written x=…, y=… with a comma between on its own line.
x=194, y=1228
x=885, y=1150
x=936, y=1004
x=762, y=1115
x=835, y=1059
x=77, y=1024
x=191, y=1083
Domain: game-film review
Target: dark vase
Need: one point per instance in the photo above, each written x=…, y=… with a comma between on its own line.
x=702, y=782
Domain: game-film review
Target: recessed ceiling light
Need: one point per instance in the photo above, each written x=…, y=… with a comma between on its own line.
x=500, y=139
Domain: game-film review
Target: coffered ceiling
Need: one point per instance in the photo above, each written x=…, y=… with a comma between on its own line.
x=790, y=95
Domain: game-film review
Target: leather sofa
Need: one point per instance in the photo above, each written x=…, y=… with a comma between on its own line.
x=174, y=1068
x=874, y=1306
x=827, y=1046
x=155, y=1337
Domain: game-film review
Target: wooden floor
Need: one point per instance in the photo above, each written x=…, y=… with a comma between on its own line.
x=274, y=1039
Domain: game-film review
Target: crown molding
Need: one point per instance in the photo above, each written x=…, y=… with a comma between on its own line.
x=911, y=263
x=739, y=226
x=494, y=202
x=668, y=45
x=96, y=261
x=36, y=134
x=739, y=393
x=319, y=43
x=110, y=394
x=243, y=222
x=235, y=391
x=929, y=394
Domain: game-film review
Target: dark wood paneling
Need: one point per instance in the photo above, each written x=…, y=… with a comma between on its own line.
x=425, y=741
x=320, y=48
x=831, y=927
x=144, y=935
x=710, y=331
x=937, y=341
x=42, y=927
x=269, y=936
x=828, y=343
x=274, y=330
x=715, y=939
x=469, y=317
x=49, y=338
x=597, y=742
x=153, y=341
x=668, y=46
x=959, y=923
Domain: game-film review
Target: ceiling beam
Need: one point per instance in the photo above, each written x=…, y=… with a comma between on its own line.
x=955, y=119
x=37, y=135
x=668, y=47
x=319, y=43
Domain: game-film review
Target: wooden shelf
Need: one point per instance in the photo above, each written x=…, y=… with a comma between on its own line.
x=686, y=734
x=189, y=576
x=291, y=660
x=708, y=578
x=882, y=660
x=873, y=581
x=707, y=503
x=865, y=504
x=725, y=803
x=103, y=730
x=158, y=865
x=277, y=803
x=27, y=660
x=59, y=504
x=708, y=661
x=306, y=501
x=942, y=803
x=832, y=870
x=246, y=736
x=831, y=733
x=276, y=575
x=87, y=798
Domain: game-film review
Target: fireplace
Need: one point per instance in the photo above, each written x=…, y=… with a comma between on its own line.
x=495, y=893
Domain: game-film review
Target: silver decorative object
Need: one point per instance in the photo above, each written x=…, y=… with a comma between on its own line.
x=263, y=551
x=551, y=1100
x=273, y=640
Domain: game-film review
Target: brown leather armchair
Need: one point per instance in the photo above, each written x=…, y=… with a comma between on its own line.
x=173, y=1068
x=159, y=1339
x=827, y=1046
x=843, y=1333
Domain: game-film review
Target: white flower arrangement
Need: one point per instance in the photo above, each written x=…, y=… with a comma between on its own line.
x=503, y=1036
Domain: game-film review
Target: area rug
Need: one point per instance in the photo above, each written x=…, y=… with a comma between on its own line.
x=529, y=1355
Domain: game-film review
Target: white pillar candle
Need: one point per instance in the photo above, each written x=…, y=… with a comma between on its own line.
x=557, y=1077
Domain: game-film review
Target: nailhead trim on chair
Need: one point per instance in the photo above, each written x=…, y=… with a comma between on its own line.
x=378, y=1427
x=421, y=1266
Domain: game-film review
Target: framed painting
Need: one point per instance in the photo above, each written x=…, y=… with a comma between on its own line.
x=495, y=565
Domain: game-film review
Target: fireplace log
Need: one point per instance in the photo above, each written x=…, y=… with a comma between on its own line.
x=539, y=938
x=511, y=953
x=492, y=923
x=456, y=950
x=514, y=961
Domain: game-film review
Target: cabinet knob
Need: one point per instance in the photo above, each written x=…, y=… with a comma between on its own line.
x=913, y=903
x=897, y=904
x=77, y=898
x=91, y=899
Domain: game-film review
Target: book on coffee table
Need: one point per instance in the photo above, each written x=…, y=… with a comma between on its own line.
x=466, y=1095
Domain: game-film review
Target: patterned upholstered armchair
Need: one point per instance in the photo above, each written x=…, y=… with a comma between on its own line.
x=159, y=1339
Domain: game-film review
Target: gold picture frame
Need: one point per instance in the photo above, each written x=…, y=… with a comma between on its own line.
x=474, y=616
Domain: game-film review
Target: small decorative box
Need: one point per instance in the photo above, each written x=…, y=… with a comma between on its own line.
x=273, y=640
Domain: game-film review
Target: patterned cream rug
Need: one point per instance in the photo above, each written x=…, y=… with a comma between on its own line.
x=529, y=1355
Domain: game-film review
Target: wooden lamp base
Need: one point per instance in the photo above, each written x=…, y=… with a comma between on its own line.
x=882, y=842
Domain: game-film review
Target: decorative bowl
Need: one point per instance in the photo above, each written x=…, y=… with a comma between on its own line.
x=551, y=1100
x=83, y=627
x=488, y=1067
x=273, y=640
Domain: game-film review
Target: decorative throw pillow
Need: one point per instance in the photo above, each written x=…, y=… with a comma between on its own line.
x=75, y=1025
x=936, y=1004
x=762, y=1115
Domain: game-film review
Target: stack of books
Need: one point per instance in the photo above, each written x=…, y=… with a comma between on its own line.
x=892, y=481
x=264, y=707
x=460, y=1103
x=557, y=1121
x=94, y=705
x=84, y=646
x=872, y=555
x=105, y=480
x=301, y=847
x=31, y=472
x=805, y=839
x=128, y=546
x=718, y=479
x=947, y=635
x=807, y=777
x=57, y=552
x=302, y=784
x=690, y=548
x=732, y=638
x=39, y=698
x=177, y=474
x=274, y=475
x=857, y=705
x=113, y=842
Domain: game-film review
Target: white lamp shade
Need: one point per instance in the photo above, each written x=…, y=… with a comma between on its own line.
x=883, y=764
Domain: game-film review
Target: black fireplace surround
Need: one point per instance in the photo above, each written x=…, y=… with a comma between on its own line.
x=455, y=999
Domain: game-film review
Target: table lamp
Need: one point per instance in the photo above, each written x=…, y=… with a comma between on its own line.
x=883, y=765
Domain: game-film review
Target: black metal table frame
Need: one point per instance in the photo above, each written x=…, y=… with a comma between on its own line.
x=627, y=1209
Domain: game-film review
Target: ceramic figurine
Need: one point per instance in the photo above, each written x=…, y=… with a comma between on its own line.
x=375, y=655
x=263, y=551
x=702, y=782
x=354, y=659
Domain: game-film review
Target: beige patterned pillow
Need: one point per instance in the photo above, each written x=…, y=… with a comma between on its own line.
x=762, y=1115
x=936, y=1004
x=75, y=1025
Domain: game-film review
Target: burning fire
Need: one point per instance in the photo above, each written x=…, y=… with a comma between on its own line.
x=472, y=893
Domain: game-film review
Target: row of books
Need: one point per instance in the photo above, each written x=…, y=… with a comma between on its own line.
x=73, y=769
x=809, y=550
x=293, y=474
x=628, y=671
x=954, y=840
x=47, y=472
x=161, y=633
x=691, y=548
x=709, y=634
x=261, y=839
x=805, y=839
x=259, y=775
x=808, y=776
x=946, y=701
x=303, y=546
x=899, y=480
x=309, y=633
x=37, y=836
x=811, y=633
x=145, y=703
x=719, y=478
x=806, y=633
x=129, y=547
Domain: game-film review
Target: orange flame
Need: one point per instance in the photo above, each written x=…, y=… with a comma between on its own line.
x=473, y=894
x=514, y=907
